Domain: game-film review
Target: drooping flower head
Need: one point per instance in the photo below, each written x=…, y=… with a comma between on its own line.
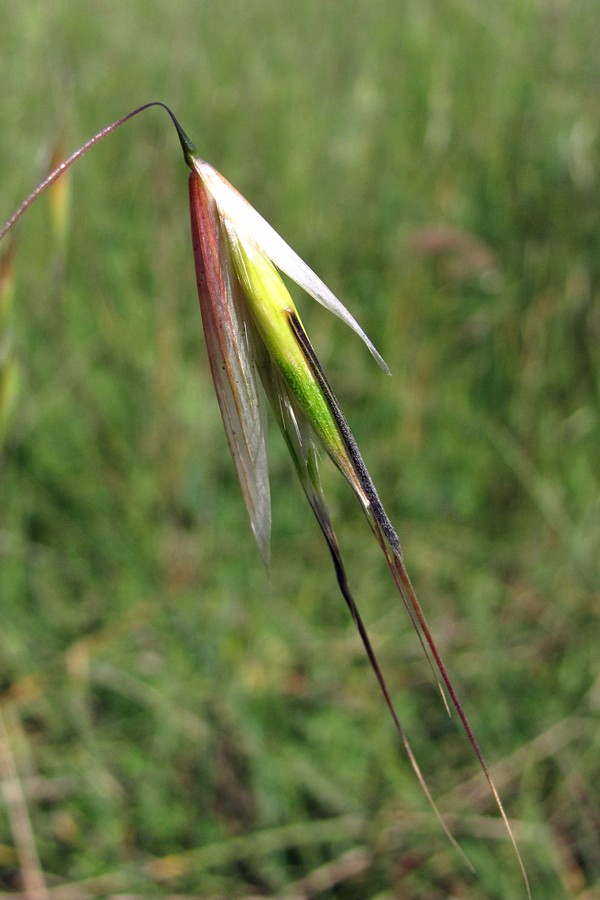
x=254, y=335
x=253, y=328
x=248, y=310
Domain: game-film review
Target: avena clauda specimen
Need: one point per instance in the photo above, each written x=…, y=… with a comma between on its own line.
x=255, y=338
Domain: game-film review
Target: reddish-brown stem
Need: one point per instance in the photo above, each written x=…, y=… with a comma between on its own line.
x=62, y=167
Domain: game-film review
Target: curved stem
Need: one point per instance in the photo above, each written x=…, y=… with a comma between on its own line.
x=186, y=145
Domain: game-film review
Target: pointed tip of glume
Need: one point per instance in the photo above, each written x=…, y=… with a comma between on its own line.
x=379, y=360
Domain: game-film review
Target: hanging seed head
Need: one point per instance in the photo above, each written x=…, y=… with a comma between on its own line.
x=252, y=331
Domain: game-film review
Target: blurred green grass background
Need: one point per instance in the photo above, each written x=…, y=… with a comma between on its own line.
x=180, y=724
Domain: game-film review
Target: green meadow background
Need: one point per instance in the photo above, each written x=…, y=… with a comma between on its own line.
x=174, y=722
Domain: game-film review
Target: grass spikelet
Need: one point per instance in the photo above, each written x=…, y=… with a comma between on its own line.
x=259, y=350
